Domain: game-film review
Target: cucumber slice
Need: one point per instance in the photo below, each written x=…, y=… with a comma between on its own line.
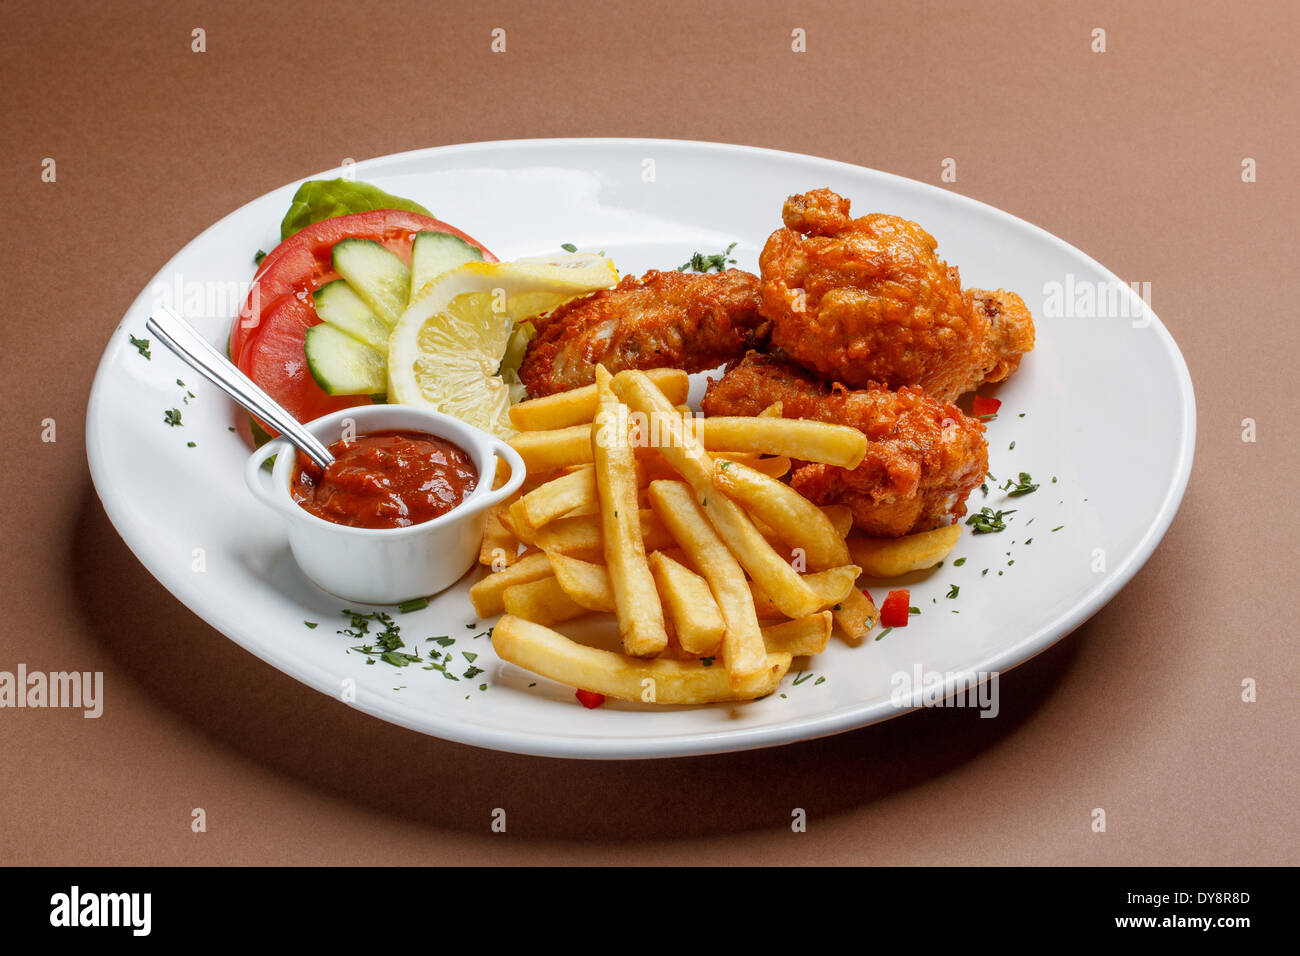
x=343, y=365
x=433, y=253
x=381, y=279
x=338, y=304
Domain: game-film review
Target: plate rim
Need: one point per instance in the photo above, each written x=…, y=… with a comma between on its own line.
x=521, y=740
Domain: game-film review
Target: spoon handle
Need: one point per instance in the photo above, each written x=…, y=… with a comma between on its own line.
x=193, y=349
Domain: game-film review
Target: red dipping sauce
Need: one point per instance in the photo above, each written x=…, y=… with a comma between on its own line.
x=390, y=479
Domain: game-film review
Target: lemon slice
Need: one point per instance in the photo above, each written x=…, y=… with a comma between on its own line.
x=445, y=351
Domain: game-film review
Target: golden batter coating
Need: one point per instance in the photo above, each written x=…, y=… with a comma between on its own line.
x=680, y=320
x=924, y=457
x=867, y=300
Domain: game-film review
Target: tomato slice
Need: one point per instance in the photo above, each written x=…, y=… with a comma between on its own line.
x=304, y=261
x=275, y=360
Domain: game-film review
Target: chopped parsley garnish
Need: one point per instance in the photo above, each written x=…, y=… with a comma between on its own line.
x=383, y=645
x=568, y=247
x=959, y=562
x=415, y=604
x=141, y=346
x=442, y=641
x=190, y=444
x=180, y=383
x=258, y=257
x=1011, y=447
x=801, y=678
x=172, y=417
x=469, y=656
x=707, y=661
x=472, y=673
x=718, y=262
x=988, y=521
x=820, y=680
x=312, y=624
x=1024, y=486
x=913, y=610
x=883, y=633
x=953, y=591
x=1058, y=527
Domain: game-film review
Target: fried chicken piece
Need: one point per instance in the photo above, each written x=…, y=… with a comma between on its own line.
x=680, y=320
x=867, y=300
x=923, y=456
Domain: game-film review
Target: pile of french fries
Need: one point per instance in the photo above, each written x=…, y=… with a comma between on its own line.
x=719, y=573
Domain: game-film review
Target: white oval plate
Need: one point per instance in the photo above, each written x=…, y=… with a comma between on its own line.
x=1107, y=402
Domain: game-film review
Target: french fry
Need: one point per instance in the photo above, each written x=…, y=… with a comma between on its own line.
x=640, y=613
x=773, y=467
x=795, y=520
x=689, y=605
x=833, y=584
x=775, y=410
x=891, y=557
x=798, y=438
x=841, y=517
x=663, y=681
x=542, y=601
x=763, y=606
x=565, y=494
x=831, y=587
x=742, y=642
x=588, y=584
x=799, y=638
x=855, y=615
x=499, y=546
x=693, y=463
x=578, y=406
x=554, y=449
x=486, y=595
x=581, y=535
x=515, y=522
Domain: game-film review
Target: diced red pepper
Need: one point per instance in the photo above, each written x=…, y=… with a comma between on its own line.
x=982, y=406
x=867, y=594
x=894, y=612
x=590, y=699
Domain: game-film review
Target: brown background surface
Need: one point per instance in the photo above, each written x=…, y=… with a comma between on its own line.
x=1133, y=155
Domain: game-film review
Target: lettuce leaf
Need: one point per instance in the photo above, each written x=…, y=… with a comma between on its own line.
x=319, y=199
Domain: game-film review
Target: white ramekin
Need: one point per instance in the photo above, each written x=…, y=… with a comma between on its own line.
x=386, y=565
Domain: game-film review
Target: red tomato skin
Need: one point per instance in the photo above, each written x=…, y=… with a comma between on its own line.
x=589, y=699
x=305, y=260
x=894, y=612
x=981, y=406
x=275, y=360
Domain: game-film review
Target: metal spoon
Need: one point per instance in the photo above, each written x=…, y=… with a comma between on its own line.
x=193, y=349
